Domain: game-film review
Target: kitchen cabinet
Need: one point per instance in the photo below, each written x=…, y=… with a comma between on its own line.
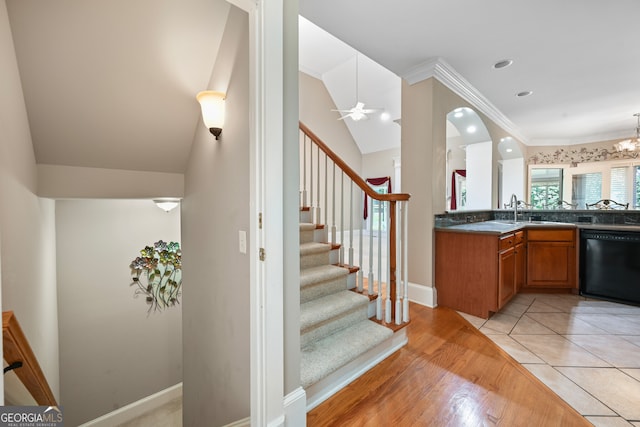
x=551, y=258
x=476, y=272
x=521, y=262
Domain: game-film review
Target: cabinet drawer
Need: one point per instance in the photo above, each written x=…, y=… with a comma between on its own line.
x=549, y=235
x=518, y=237
x=506, y=242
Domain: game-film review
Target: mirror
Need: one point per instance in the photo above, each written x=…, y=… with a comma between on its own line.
x=469, y=161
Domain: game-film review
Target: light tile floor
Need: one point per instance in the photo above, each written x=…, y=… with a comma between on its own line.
x=585, y=350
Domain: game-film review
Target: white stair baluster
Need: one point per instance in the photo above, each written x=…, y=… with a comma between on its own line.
x=318, y=210
x=333, y=206
x=405, y=259
x=361, y=257
x=351, y=226
x=341, y=252
x=311, y=207
x=380, y=293
x=370, y=284
x=326, y=199
x=304, y=171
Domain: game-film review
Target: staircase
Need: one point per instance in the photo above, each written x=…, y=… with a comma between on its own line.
x=338, y=340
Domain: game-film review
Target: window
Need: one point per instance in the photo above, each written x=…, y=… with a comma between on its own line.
x=546, y=188
x=586, y=188
x=619, y=184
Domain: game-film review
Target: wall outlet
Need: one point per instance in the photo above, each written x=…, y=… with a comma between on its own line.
x=242, y=241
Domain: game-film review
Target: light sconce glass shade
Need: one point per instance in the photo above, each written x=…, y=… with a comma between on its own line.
x=212, y=105
x=167, y=204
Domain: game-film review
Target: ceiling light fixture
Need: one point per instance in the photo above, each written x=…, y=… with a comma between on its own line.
x=524, y=93
x=630, y=144
x=384, y=116
x=471, y=129
x=167, y=204
x=212, y=105
x=503, y=64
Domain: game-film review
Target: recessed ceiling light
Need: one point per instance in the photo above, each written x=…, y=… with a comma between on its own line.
x=502, y=64
x=384, y=116
x=471, y=129
x=458, y=114
x=524, y=93
x=509, y=150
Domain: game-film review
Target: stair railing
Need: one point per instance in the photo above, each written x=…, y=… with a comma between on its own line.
x=387, y=232
x=19, y=355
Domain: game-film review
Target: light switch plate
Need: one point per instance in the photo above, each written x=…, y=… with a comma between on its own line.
x=242, y=241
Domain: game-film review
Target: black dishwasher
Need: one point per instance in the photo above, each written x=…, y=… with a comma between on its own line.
x=610, y=265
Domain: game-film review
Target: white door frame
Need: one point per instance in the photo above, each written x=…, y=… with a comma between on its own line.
x=266, y=209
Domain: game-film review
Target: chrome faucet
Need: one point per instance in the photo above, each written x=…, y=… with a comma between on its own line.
x=514, y=205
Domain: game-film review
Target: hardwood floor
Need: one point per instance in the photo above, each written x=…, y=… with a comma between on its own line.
x=449, y=374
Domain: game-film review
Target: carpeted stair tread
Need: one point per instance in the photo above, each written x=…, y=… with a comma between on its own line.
x=307, y=226
x=322, y=357
x=322, y=273
x=321, y=310
x=310, y=248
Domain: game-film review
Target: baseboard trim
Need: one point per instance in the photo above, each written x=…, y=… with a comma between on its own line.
x=245, y=422
x=327, y=387
x=137, y=408
x=424, y=295
x=295, y=408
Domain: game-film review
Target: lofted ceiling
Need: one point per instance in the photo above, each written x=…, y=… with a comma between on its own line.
x=578, y=57
x=112, y=84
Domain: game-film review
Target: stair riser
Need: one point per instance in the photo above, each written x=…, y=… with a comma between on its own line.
x=307, y=236
x=321, y=289
x=315, y=260
x=305, y=216
x=332, y=325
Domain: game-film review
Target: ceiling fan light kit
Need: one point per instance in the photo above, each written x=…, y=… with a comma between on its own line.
x=358, y=112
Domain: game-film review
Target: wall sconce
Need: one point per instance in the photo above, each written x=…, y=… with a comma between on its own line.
x=212, y=105
x=167, y=204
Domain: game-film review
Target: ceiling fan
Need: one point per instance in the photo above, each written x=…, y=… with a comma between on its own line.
x=358, y=112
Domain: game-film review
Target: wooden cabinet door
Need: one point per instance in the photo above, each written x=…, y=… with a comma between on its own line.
x=506, y=276
x=551, y=264
x=521, y=266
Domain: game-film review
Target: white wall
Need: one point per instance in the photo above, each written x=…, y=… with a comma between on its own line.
x=479, y=175
x=27, y=230
x=216, y=322
x=315, y=105
x=112, y=352
x=61, y=182
x=379, y=164
x=513, y=180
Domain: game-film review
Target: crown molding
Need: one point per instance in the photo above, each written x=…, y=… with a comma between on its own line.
x=439, y=69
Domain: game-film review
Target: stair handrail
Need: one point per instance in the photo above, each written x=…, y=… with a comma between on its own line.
x=18, y=352
x=389, y=197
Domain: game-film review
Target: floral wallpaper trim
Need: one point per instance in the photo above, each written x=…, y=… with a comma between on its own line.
x=580, y=155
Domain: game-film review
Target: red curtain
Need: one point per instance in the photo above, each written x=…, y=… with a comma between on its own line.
x=463, y=173
x=377, y=182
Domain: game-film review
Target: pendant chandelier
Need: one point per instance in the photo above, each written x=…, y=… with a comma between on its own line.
x=630, y=144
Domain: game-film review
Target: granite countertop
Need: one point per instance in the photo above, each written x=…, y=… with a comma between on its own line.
x=504, y=226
